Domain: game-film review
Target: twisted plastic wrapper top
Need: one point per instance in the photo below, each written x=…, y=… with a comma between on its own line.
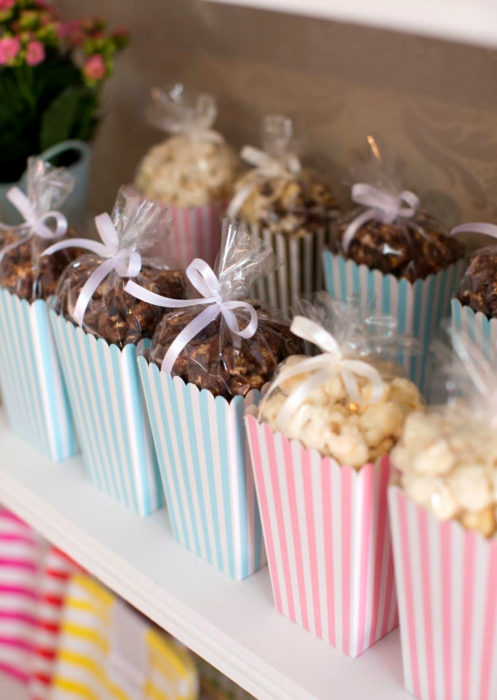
x=195, y=165
x=478, y=287
x=24, y=270
x=350, y=401
x=216, y=358
x=277, y=193
x=389, y=232
x=448, y=455
x=111, y=313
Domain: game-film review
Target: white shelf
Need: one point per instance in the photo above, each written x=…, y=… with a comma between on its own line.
x=231, y=624
x=467, y=21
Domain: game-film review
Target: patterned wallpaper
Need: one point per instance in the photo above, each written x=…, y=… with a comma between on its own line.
x=434, y=102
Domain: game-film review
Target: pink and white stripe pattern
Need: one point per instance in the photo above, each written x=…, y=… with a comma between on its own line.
x=196, y=233
x=447, y=592
x=327, y=540
x=19, y=557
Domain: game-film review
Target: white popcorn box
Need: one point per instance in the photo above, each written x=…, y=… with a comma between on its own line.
x=208, y=483
x=195, y=233
x=447, y=595
x=418, y=307
x=476, y=326
x=110, y=416
x=299, y=270
x=33, y=389
x=327, y=539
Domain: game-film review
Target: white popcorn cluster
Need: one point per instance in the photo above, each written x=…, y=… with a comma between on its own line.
x=448, y=463
x=328, y=421
x=187, y=172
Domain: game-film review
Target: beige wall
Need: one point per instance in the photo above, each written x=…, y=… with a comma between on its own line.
x=435, y=102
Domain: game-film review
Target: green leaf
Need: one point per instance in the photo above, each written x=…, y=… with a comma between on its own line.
x=59, y=121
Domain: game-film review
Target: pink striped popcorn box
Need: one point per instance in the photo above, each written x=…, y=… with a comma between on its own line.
x=195, y=233
x=327, y=539
x=447, y=595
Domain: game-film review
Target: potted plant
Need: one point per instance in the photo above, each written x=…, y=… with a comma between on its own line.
x=51, y=75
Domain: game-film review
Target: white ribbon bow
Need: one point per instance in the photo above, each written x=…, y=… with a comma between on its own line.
x=382, y=206
x=205, y=281
x=37, y=224
x=322, y=368
x=124, y=261
x=265, y=166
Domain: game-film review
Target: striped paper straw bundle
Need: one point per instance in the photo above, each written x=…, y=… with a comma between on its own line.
x=55, y=574
x=107, y=650
x=209, y=489
x=33, y=389
x=20, y=550
x=418, y=307
x=446, y=588
x=104, y=389
x=327, y=539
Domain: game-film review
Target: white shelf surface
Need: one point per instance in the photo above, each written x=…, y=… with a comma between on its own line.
x=467, y=21
x=233, y=625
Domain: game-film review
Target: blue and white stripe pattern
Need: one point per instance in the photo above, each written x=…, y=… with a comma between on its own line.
x=480, y=329
x=208, y=482
x=418, y=307
x=32, y=385
x=110, y=416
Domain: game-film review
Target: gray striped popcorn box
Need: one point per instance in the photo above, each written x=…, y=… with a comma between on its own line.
x=474, y=308
x=207, y=362
x=33, y=389
x=290, y=208
x=192, y=172
x=97, y=327
x=319, y=448
x=391, y=253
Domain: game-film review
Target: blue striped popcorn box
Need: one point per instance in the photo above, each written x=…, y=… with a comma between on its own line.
x=417, y=306
x=476, y=326
x=209, y=487
x=299, y=268
x=110, y=416
x=32, y=384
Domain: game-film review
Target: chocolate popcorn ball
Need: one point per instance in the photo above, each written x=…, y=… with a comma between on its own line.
x=329, y=421
x=411, y=250
x=294, y=206
x=448, y=464
x=224, y=364
x=25, y=271
x=112, y=313
x=479, y=285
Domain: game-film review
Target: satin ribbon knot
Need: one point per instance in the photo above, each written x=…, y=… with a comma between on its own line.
x=124, y=261
x=322, y=368
x=203, y=278
x=38, y=225
x=265, y=165
x=381, y=206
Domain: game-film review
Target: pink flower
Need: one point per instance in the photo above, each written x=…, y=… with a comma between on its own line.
x=9, y=48
x=6, y=4
x=73, y=31
x=35, y=53
x=94, y=68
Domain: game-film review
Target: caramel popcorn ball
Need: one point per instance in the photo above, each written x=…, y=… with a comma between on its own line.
x=448, y=464
x=328, y=421
x=185, y=172
x=293, y=206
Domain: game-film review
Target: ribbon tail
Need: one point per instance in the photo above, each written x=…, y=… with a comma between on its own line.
x=239, y=200
x=188, y=333
x=93, y=246
x=476, y=227
x=297, y=397
x=157, y=300
x=354, y=226
x=89, y=288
